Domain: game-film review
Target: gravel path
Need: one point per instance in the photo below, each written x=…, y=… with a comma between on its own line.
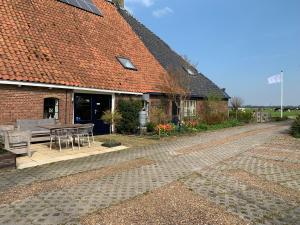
x=69, y=192
x=169, y=205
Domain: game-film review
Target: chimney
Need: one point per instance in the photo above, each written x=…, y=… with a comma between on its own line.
x=119, y=3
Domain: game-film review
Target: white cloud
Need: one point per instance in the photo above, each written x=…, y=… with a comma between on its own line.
x=162, y=12
x=146, y=3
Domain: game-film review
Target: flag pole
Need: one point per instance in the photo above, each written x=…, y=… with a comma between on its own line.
x=281, y=94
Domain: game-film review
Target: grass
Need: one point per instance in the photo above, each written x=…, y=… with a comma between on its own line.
x=291, y=114
x=129, y=140
x=144, y=140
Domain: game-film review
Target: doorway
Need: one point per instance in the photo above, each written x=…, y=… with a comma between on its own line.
x=89, y=108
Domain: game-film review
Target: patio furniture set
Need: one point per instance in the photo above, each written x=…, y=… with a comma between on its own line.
x=17, y=139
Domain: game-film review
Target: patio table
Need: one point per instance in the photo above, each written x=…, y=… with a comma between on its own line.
x=62, y=126
x=65, y=126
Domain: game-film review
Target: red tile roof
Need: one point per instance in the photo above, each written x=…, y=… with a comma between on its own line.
x=51, y=42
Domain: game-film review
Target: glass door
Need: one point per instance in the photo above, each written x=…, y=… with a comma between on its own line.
x=90, y=108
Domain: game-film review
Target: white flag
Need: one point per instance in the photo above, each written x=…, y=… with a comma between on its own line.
x=275, y=79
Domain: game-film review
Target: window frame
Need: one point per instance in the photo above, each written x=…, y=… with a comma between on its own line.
x=119, y=58
x=190, y=71
x=189, y=108
x=56, y=107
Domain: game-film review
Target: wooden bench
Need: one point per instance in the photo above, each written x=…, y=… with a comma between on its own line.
x=37, y=133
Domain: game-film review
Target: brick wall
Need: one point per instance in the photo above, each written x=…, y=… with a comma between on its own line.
x=28, y=103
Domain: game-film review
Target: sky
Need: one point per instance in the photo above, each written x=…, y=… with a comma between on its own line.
x=237, y=44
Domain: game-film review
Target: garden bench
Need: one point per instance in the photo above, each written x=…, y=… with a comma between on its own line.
x=34, y=126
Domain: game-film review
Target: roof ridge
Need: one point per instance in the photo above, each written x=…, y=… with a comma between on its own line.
x=140, y=23
x=165, y=54
x=164, y=42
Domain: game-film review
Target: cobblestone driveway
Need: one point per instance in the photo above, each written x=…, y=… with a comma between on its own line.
x=209, y=164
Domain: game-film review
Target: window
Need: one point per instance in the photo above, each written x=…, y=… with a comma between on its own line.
x=126, y=63
x=51, y=108
x=191, y=72
x=189, y=108
x=86, y=5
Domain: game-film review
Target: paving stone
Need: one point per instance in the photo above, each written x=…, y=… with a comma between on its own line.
x=67, y=205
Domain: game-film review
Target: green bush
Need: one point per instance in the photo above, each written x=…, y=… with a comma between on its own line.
x=202, y=127
x=151, y=127
x=245, y=117
x=129, y=110
x=295, y=129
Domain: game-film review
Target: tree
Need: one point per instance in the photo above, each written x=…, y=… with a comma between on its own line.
x=111, y=118
x=177, y=88
x=236, y=103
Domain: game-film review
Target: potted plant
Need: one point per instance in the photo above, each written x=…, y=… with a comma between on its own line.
x=111, y=118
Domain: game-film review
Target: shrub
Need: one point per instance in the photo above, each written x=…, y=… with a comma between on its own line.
x=191, y=123
x=202, y=127
x=111, y=118
x=129, y=110
x=245, y=117
x=150, y=127
x=214, y=118
x=295, y=129
x=158, y=116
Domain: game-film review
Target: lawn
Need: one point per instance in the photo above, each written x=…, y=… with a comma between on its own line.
x=144, y=140
x=130, y=140
x=291, y=114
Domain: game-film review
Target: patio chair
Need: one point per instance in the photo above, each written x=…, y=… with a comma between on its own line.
x=91, y=130
x=18, y=142
x=61, y=135
x=83, y=133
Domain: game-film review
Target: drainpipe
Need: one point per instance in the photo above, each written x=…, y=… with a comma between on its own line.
x=113, y=106
x=66, y=105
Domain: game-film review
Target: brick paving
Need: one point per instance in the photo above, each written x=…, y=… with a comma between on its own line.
x=202, y=170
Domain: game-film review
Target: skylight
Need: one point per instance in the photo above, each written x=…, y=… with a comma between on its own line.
x=126, y=63
x=86, y=5
x=189, y=71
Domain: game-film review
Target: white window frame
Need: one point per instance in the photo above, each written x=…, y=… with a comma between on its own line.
x=56, y=108
x=189, y=108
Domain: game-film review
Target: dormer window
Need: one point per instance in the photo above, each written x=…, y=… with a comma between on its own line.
x=126, y=63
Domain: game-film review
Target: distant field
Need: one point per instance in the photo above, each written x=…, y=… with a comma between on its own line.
x=292, y=113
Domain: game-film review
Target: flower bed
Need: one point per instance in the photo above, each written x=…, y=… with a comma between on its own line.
x=191, y=127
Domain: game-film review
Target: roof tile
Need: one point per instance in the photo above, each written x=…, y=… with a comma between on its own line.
x=51, y=42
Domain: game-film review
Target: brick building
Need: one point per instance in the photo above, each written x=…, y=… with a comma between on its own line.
x=72, y=62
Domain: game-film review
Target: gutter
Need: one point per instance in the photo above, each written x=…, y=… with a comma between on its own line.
x=54, y=86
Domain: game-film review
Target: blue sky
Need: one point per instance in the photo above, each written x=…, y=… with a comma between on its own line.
x=237, y=43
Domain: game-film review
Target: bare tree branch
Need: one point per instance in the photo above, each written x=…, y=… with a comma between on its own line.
x=177, y=88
